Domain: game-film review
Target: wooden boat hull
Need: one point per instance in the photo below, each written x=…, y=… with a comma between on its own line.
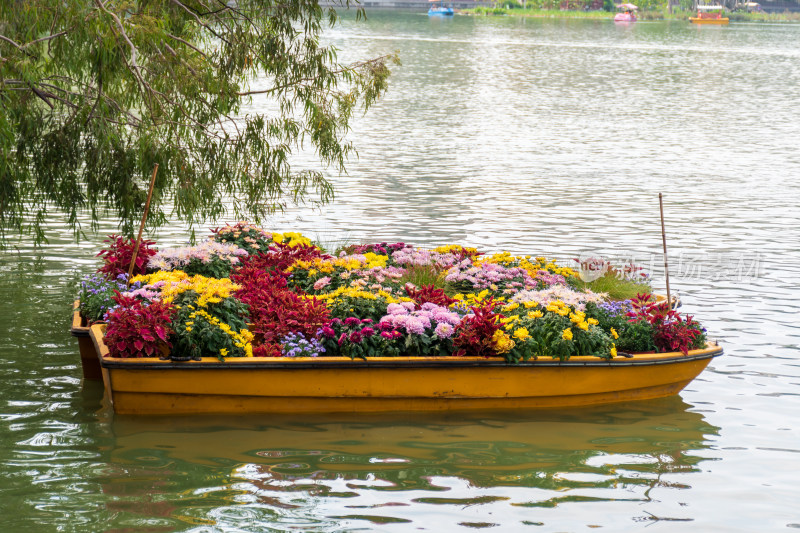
x=334, y=384
x=90, y=362
x=696, y=20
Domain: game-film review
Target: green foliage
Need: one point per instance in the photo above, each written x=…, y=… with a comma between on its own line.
x=426, y=275
x=616, y=287
x=635, y=337
x=632, y=336
x=94, y=93
x=213, y=330
x=215, y=267
x=547, y=339
x=349, y=305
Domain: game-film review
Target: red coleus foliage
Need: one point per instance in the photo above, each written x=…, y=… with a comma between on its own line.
x=473, y=336
x=428, y=293
x=672, y=332
x=383, y=248
x=138, y=330
x=275, y=310
x=267, y=349
x=279, y=257
x=463, y=253
x=118, y=254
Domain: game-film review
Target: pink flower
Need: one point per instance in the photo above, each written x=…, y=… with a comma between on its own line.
x=321, y=282
x=396, y=309
x=444, y=330
x=415, y=325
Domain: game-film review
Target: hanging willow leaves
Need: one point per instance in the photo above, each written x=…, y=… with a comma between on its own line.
x=93, y=93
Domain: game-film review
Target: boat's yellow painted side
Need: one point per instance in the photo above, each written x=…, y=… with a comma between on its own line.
x=696, y=20
x=330, y=384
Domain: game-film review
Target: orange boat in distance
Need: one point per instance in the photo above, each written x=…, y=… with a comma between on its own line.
x=709, y=15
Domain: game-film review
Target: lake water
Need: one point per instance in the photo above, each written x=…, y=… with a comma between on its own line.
x=537, y=136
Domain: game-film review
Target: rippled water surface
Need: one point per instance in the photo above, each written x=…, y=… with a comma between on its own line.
x=536, y=136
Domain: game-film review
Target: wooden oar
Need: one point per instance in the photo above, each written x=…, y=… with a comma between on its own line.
x=144, y=220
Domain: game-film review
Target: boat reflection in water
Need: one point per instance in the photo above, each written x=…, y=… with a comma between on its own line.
x=326, y=468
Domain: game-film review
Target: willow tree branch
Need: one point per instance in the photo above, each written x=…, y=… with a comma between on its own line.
x=48, y=38
x=300, y=81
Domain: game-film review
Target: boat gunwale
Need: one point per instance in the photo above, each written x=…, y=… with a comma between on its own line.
x=77, y=329
x=408, y=362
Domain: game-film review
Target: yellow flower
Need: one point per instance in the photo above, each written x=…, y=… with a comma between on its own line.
x=223, y=352
x=614, y=334
x=584, y=326
x=535, y=314
x=501, y=342
x=567, y=334
x=613, y=350
x=521, y=334
x=593, y=321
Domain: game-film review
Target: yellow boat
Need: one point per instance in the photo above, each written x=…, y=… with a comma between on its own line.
x=709, y=15
x=387, y=384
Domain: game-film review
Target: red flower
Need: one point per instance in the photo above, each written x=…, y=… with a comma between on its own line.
x=428, y=293
x=275, y=310
x=137, y=330
x=473, y=335
x=117, y=257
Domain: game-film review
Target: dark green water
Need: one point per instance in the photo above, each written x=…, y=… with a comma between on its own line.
x=533, y=136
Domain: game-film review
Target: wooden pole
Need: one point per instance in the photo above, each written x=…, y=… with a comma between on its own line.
x=664, y=242
x=144, y=220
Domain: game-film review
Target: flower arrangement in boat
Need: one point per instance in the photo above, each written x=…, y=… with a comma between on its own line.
x=247, y=292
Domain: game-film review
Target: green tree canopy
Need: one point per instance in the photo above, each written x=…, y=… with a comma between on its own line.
x=93, y=93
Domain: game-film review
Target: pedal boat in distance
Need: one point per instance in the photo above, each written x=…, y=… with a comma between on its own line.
x=627, y=13
x=438, y=9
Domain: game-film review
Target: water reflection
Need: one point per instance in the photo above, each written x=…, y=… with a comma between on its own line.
x=311, y=473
